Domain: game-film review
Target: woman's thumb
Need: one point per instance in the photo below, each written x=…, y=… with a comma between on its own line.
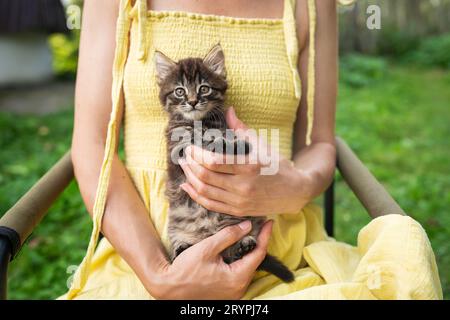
x=233, y=121
x=227, y=237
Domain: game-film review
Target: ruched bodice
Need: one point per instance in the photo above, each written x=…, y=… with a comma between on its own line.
x=261, y=80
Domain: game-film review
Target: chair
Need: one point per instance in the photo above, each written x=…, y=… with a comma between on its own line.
x=18, y=223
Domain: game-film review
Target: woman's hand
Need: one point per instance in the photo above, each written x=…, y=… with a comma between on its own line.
x=240, y=189
x=199, y=272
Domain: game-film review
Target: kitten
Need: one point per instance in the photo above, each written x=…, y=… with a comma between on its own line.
x=193, y=89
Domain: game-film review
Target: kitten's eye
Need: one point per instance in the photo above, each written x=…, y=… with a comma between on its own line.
x=179, y=92
x=204, y=89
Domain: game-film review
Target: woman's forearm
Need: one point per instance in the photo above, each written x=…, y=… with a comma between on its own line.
x=317, y=163
x=126, y=222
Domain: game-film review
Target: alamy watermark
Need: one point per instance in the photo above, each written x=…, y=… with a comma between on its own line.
x=373, y=21
x=74, y=14
x=239, y=146
x=374, y=277
x=71, y=270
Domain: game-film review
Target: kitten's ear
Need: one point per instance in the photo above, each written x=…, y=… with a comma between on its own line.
x=164, y=65
x=215, y=60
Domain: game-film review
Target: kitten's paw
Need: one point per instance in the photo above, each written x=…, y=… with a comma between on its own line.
x=246, y=245
x=239, y=249
x=179, y=249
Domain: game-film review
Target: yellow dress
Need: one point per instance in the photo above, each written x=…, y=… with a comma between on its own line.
x=393, y=258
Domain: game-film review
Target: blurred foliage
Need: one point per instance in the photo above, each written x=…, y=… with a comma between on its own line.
x=433, y=51
x=396, y=43
x=65, y=53
x=65, y=49
x=398, y=129
x=402, y=24
x=30, y=145
x=358, y=70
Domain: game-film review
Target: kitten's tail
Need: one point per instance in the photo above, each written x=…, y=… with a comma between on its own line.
x=277, y=268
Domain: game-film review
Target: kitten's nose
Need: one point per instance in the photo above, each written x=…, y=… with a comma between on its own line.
x=192, y=102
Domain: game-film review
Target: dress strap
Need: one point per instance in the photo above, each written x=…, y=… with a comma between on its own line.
x=142, y=21
x=311, y=68
x=290, y=35
x=121, y=53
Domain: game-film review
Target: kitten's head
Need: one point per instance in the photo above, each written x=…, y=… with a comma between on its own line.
x=192, y=87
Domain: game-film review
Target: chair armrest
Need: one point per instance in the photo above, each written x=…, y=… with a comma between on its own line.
x=372, y=195
x=19, y=221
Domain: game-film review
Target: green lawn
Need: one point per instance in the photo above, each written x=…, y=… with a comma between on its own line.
x=398, y=123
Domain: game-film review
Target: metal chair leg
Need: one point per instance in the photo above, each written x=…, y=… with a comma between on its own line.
x=9, y=246
x=5, y=257
x=329, y=209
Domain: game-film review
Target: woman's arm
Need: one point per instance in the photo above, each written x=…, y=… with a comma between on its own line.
x=318, y=160
x=241, y=189
x=126, y=222
x=199, y=272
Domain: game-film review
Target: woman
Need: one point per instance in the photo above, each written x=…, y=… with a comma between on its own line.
x=276, y=54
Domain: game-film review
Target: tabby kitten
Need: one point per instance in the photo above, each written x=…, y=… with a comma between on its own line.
x=191, y=90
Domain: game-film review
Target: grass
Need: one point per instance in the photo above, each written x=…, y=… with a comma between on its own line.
x=398, y=125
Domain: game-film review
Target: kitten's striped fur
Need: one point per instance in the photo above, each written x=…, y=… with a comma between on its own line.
x=194, y=89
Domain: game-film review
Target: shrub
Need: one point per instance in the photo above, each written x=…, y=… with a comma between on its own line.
x=395, y=43
x=65, y=49
x=434, y=51
x=65, y=53
x=358, y=70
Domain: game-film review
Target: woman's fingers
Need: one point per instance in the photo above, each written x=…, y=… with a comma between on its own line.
x=223, y=181
x=208, y=159
x=235, y=202
x=212, y=205
x=211, y=160
x=230, y=164
x=225, y=238
x=209, y=191
x=231, y=188
x=251, y=261
x=233, y=121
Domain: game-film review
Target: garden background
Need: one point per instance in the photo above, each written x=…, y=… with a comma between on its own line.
x=393, y=109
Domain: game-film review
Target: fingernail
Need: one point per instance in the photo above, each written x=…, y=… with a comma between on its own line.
x=245, y=225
